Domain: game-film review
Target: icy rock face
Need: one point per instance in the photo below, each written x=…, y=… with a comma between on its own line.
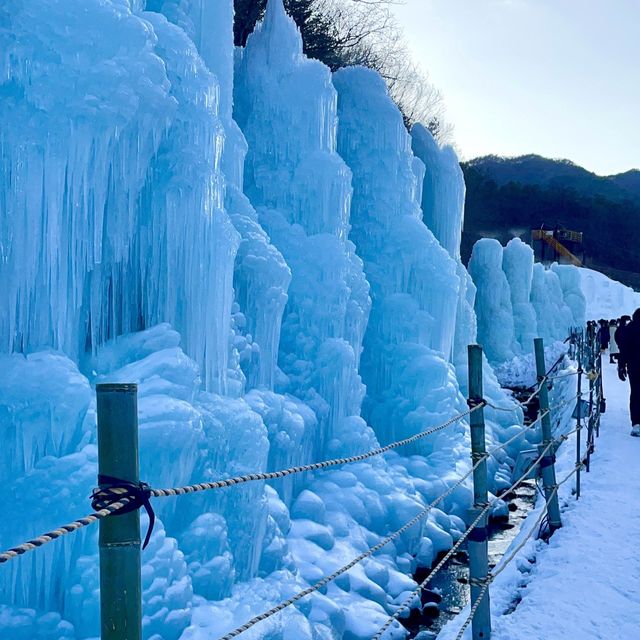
x=493, y=301
x=555, y=318
x=286, y=107
x=261, y=276
x=126, y=226
x=414, y=286
x=574, y=298
x=517, y=263
x=443, y=190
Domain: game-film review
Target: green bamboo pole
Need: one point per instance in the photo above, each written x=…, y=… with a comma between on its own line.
x=120, y=579
x=547, y=464
x=478, y=539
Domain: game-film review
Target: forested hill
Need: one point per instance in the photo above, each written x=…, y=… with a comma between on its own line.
x=508, y=197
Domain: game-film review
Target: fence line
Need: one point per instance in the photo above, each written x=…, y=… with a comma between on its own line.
x=407, y=602
x=117, y=496
x=514, y=552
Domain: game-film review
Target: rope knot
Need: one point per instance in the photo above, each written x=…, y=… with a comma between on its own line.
x=474, y=403
x=131, y=495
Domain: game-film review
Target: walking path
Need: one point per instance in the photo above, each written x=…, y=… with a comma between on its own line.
x=586, y=582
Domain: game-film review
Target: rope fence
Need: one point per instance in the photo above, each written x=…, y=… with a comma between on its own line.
x=506, y=560
x=115, y=496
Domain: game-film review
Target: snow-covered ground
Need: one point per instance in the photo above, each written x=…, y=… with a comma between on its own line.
x=586, y=582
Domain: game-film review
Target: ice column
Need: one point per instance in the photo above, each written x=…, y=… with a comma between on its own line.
x=286, y=107
x=517, y=263
x=261, y=275
x=413, y=280
x=553, y=315
x=443, y=191
x=443, y=195
x=443, y=206
x=574, y=298
x=493, y=301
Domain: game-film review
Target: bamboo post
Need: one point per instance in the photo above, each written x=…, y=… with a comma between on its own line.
x=478, y=539
x=119, y=542
x=547, y=464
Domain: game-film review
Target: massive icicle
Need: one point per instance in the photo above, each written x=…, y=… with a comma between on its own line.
x=574, y=298
x=517, y=263
x=413, y=280
x=554, y=317
x=114, y=189
x=493, y=301
x=443, y=189
x=261, y=275
x=443, y=206
x=286, y=106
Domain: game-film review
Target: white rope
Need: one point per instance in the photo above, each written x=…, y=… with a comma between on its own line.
x=327, y=579
x=272, y=475
x=505, y=562
x=406, y=604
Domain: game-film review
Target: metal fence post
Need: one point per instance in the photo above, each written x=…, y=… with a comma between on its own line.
x=547, y=464
x=120, y=579
x=478, y=539
x=591, y=346
x=579, y=429
x=600, y=393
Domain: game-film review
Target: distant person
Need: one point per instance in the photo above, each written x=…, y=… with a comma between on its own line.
x=614, y=351
x=603, y=335
x=629, y=365
x=622, y=323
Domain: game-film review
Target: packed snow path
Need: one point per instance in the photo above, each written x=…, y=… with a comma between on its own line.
x=586, y=582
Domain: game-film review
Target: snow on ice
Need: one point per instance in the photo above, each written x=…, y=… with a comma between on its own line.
x=268, y=253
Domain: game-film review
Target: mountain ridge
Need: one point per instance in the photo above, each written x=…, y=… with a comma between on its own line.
x=507, y=197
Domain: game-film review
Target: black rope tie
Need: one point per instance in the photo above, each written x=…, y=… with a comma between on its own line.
x=473, y=403
x=111, y=490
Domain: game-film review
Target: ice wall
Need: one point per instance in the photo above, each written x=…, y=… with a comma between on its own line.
x=286, y=107
x=414, y=286
x=517, y=264
x=443, y=189
x=573, y=295
x=122, y=211
x=554, y=317
x=111, y=151
x=606, y=298
x=493, y=306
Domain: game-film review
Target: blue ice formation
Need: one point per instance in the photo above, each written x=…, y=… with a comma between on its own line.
x=264, y=249
x=302, y=191
x=518, y=300
x=443, y=208
x=572, y=293
x=517, y=263
x=496, y=329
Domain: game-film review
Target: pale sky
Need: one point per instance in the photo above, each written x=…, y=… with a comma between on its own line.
x=560, y=78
